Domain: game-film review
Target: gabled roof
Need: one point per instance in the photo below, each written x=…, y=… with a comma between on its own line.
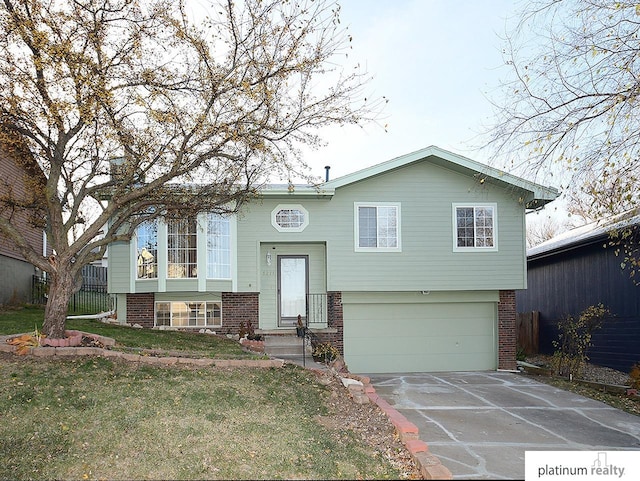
x=537, y=195
x=585, y=235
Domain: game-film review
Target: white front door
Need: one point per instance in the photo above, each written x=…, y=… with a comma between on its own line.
x=293, y=286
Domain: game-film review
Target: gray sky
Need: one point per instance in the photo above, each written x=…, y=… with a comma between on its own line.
x=435, y=60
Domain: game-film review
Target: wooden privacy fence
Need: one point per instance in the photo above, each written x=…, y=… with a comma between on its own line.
x=527, y=331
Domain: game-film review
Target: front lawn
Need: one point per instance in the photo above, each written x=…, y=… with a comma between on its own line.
x=28, y=319
x=94, y=418
x=98, y=418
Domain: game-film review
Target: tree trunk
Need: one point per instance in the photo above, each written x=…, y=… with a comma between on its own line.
x=55, y=314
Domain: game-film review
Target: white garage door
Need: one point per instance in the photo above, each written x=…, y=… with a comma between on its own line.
x=420, y=337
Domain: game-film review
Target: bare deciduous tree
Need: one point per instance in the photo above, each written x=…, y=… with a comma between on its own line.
x=543, y=227
x=189, y=116
x=571, y=109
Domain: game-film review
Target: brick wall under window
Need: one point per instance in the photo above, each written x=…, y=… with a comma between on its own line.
x=507, y=330
x=239, y=307
x=140, y=309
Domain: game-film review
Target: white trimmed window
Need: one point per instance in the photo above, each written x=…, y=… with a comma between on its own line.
x=147, y=250
x=377, y=227
x=475, y=227
x=218, y=247
x=189, y=314
x=289, y=218
x=182, y=247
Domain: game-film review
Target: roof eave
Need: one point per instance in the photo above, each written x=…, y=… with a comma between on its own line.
x=568, y=247
x=297, y=191
x=539, y=195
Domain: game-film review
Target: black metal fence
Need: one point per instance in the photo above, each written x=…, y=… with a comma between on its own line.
x=90, y=299
x=316, y=310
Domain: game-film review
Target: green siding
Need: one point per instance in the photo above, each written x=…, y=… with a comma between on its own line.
x=119, y=278
x=426, y=193
x=411, y=336
x=269, y=278
x=426, y=262
x=121, y=307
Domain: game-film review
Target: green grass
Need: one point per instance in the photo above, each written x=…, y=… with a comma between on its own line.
x=96, y=418
x=100, y=419
x=29, y=318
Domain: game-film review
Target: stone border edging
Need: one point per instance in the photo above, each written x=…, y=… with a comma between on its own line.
x=49, y=351
x=429, y=465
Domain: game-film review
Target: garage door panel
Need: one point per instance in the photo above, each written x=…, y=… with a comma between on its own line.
x=417, y=311
x=389, y=326
x=408, y=363
x=420, y=337
x=423, y=345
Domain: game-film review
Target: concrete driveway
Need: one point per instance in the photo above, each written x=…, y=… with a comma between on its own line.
x=481, y=423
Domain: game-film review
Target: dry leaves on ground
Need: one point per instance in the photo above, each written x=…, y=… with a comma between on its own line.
x=371, y=425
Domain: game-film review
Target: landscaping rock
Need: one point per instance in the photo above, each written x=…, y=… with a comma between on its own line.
x=346, y=382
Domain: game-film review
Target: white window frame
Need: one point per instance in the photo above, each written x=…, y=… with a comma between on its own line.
x=281, y=207
x=184, y=254
x=474, y=206
x=142, y=261
x=218, y=246
x=184, y=303
x=377, y=205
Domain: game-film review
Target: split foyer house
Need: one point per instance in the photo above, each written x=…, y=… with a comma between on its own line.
x=409, y=265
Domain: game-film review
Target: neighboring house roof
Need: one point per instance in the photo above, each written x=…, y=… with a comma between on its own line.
x=585, y=235
x=536, y=195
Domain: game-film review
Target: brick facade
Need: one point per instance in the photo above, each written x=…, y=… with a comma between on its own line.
x=140, y=309
x=507, y=330
x=239, y=307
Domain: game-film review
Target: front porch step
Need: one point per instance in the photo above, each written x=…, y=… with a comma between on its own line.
x=284, y=345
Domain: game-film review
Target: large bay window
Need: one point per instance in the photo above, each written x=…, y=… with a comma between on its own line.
x=179, y=241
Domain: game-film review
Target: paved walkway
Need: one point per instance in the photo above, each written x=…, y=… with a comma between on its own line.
x=306, y=362
x=481, y=424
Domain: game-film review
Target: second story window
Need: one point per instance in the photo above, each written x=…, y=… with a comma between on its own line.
x=147, y=250
x=182, y=247
x=475, y=227
x=377, y=227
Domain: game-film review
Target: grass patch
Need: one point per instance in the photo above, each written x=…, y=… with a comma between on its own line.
x=27, y=319
x=97, y=418
x=630, y=404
